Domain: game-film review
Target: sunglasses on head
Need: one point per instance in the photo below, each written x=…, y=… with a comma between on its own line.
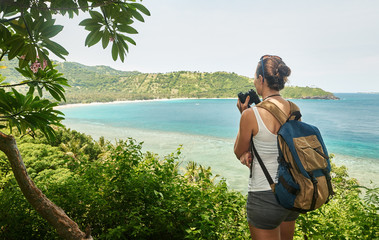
x=265, y=57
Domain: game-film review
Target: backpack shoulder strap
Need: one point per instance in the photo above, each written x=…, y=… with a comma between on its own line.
x=277, y=112
x=274, y=110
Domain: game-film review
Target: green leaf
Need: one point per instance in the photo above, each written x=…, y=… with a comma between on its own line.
x=30, y=93
x=58, y=89
x=39, y=91
x=9, y=14
x=5, y=32
x=114, y=51
x=43, y=56
x=39, y=23
x=56, y=48
x=18, y=28
x=96, y=16
x=18, y=96
x=88, y=21
x=92, y=28
x=46, y=14
x=105, y=38
x=62, y=81
x=52, y=31
x=35, y=13
x=125, y=21
x=31, y=53
x=53, y=93
x=121, y=51
x=128, y=39
x=122, y=43
x=28, y=21
x=46, y=24
x=93, y=38
x=22, y=63
x=142, y=8
x=16, y=48
x=127, y=29
x=83, y=4
x=137, y=15
x=26, y=73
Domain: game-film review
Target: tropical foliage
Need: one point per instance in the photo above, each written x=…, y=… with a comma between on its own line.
x=27, y=28
x=120, y=192
x=123, y=193
x=26, y=31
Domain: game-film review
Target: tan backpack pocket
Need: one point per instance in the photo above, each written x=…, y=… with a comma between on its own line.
x=310, y=153
x=307, y=192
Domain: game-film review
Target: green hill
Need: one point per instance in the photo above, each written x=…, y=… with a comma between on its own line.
x=103, y=84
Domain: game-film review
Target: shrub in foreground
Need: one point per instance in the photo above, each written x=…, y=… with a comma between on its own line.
x=123, y=193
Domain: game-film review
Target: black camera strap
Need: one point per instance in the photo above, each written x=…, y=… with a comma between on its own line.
x=265, y=171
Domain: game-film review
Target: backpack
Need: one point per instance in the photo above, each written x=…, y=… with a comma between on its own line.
x=303, y=177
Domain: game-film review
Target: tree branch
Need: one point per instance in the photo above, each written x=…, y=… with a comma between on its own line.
x=65, y=227
x=11, y=2
x=106, y=20
x=11, y=116
x=15, y=85
x=27, y=27
x=24, y=83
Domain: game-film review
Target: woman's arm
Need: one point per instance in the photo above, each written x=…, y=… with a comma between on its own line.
x=242, y=143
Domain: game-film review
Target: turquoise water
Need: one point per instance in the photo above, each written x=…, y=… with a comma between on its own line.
x=207, y=129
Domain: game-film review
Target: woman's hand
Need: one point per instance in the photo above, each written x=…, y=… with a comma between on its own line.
x=242, y=107
x=246, y=159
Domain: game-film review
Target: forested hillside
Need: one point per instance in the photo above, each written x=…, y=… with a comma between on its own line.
x=103, y=84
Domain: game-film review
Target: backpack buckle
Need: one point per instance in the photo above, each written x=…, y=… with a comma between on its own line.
x=295, y=116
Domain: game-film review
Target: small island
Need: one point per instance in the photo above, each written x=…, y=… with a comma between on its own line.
x=322, y=97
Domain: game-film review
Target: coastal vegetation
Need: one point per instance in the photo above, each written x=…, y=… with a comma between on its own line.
x=27, y=31
x=124, y=193
x=104, y=84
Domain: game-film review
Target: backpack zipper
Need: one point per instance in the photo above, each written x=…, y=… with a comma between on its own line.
x=321, y=153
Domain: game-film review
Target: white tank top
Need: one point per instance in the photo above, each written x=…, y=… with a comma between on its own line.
x=267, y=146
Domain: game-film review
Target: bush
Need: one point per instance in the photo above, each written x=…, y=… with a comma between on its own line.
x=123, y=193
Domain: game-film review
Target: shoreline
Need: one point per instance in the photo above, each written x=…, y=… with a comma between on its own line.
x=70, y=105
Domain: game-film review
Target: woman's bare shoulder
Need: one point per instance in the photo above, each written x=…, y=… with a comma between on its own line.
x=248, y=113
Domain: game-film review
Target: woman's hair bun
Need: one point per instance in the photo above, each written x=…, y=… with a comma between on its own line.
x=276, y=72
x=283, y=70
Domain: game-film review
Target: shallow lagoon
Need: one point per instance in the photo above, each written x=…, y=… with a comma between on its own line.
x=207, y=127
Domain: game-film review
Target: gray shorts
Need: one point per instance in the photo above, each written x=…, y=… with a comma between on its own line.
x=264, y=212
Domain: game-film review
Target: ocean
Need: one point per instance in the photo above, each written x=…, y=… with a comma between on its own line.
x=206, y=130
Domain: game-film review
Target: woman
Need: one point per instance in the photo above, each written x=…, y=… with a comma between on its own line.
x=266, y=218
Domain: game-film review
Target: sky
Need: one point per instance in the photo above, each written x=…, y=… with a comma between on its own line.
x=333, y=45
